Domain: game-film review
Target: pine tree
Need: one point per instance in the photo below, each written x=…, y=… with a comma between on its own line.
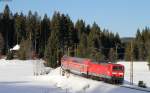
x=82, y=49
x=7, y=28
x=117, y=39
x=135, y=51
x=17, y=27
x=25, y=50
x=99, y=56
x=1, y=44
x=148, y=50
x=44, y=34
x=80, y=27
x=29, y=26
x=138, y=34
x=112, y=55
x=129, y=52
x=52, y=50
x=94, y=43
x=149, y=57
x=6, y=12
x=141, y=51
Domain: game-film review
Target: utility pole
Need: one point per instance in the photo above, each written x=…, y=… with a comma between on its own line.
x=131, y=64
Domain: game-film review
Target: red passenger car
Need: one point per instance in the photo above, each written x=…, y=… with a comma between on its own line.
x=87, y=67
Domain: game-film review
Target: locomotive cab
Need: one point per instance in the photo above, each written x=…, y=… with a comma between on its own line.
x=117, y=73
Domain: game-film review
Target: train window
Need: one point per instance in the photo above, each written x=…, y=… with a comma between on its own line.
x=117, y=68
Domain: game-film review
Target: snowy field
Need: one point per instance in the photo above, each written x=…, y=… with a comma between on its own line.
x=140, y=72
x=19, y=77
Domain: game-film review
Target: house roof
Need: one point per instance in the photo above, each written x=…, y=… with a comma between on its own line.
x=16, y=47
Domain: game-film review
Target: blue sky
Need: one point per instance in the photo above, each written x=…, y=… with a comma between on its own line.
x=122, y=16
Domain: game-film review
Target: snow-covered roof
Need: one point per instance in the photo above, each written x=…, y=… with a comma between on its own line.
x=16, y=47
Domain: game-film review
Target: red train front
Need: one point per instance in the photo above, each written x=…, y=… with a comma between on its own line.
x=105, y=71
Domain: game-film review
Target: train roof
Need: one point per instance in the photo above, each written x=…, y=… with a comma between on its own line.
x=81, y=60
x=105, y=63
x=76, y=59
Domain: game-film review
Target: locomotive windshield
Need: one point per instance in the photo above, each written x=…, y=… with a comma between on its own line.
x=117, y=68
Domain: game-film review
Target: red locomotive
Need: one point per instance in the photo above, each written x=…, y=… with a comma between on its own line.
x=104, y=71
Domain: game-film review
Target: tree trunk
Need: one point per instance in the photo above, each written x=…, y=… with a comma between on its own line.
x=148, y=66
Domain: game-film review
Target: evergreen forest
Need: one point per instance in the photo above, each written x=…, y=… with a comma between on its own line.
x=50, y=38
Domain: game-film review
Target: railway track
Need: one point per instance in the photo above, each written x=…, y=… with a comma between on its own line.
x=123, y=86
x=136, y=88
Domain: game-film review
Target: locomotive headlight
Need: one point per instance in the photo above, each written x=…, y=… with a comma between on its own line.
x=114, y=73
x=108, y=72
x=120, y=73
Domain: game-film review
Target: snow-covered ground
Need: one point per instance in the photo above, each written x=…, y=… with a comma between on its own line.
x=19, y=77
x=141, y=72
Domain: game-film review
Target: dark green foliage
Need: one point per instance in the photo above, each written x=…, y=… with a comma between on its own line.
x=148, y=57
x=112, y=55
x=141, y=45
x=44, y=34
x=58, y=36
x=52, y=50
x=7, y=28
x=94, y=42
x=83, y=48
x=129, y=51
x=1, y=44
x=25, y=51
x=52, y=38
x=20, y=27
x=80, y=27
x=9, y=55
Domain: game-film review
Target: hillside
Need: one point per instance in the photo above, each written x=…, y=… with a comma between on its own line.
x=127, y=39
